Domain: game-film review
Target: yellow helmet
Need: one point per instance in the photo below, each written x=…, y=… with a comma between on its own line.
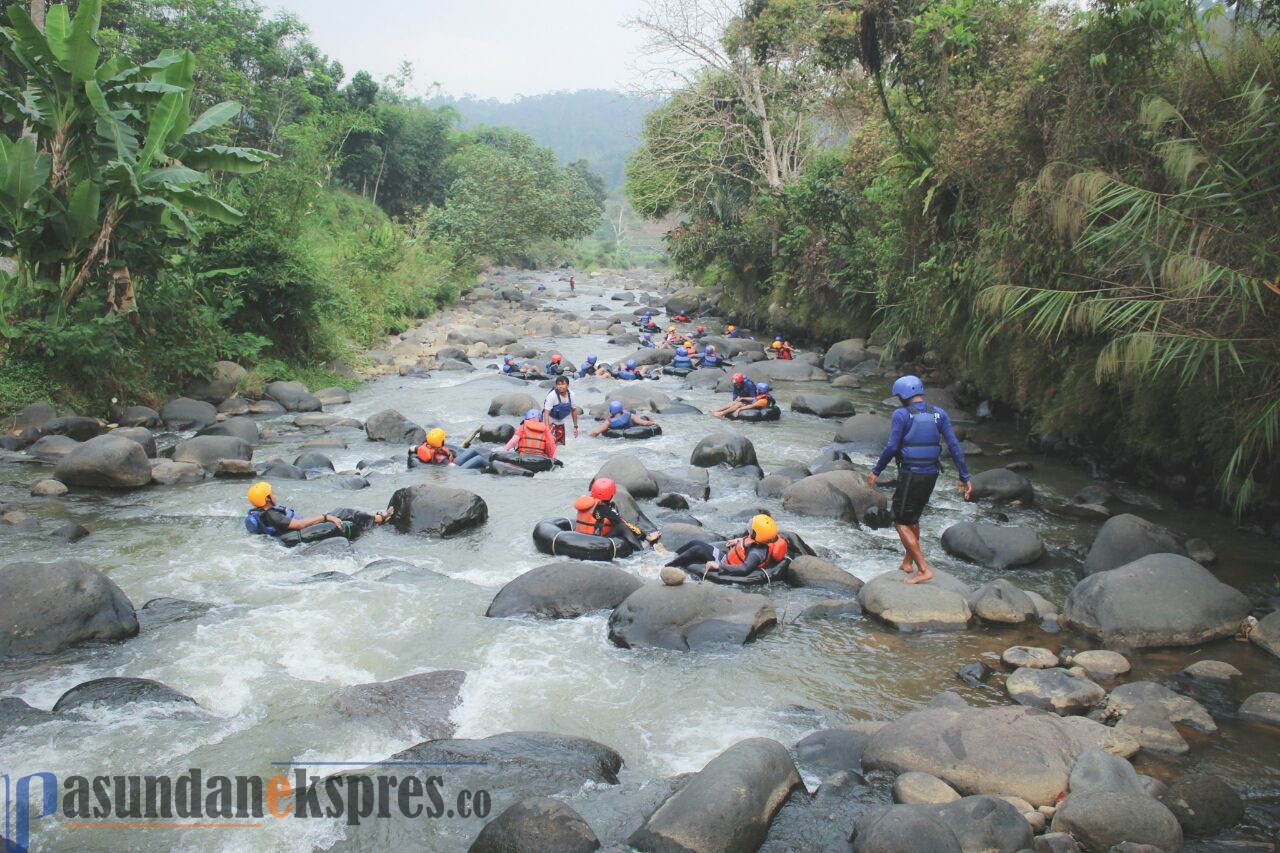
x=764, y=528
x=671, y=328
x=777, y=344
x=258, y=494
x=731, y=328
x=435, y=438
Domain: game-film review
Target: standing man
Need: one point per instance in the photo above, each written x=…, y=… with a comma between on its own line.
x=915, y=431
x=558, y=408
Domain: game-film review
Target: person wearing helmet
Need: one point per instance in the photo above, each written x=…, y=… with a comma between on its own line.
x=709, y=357
x=509, y=366
x=682, y=360
x=628, y=371
x=621, y=418
x=432, y=451
x=558, y=408
x=760, y=547
x=700, y=333
x=647, y=324
x=532, y=436
x=598, y=515
x=680, y=316
x=915, y=433
x=593, y=367
x=646, y=341
x=782, y=350
x=555, y=367
x=268, y=518
x=744, y=394
x=732, y=332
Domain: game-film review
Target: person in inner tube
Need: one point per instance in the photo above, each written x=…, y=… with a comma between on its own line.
x=761, y=547
x=533, y=437
x=593, y=367
x=621, y=418
x=598, y=515
x=763, y=400
x=509, y=366
x=269, y=518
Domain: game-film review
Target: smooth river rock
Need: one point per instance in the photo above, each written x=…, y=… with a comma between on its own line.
x=418, y=705
x=119, y=693
x=105, y=462
x=939, y=604
x=1266, y=634
x=992, y=545
x=816, y=573
x=1003, y=486
x=1002, y=603
x=1053, y=689
x=47, y=607
x=536, y=825
x=429, y=508
x=724, y=448
x=690, y=616
x=977, y=823
x=837, y=494
x=1125, y=538
x=564, y=591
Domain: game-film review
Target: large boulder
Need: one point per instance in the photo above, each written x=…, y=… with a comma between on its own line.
x=631, y=474
x=939, y=604
x=564, y=591
x=390, y=425
x=868, y=432
x=1158, y=600
x=1125, y=538
x=969, y=824
x=294, y=396
x=47, y=607
x=829, y=751
x=1203, y=804
x=76, y=426
x=817, y=573
x=992, y=545
x=219, y=385
x=419, y=705
x=688, y=481
x=727, y=806
x=535, y=825
x=429, y=508
x=1003, y=603
x=514, y=404
x=1053, y=689
x=1266, y=634
x=107, y=462
x=845, y=355
x=239, y=427
x=689, y=617
x=1100, y=821
x=1003, y=486
x=822, y=405
x=139, y=416
x=141, y=435
x=837, y=494
x=723, y=448
x=183, y=414
x=52, y=448
x=1005, y=751
x=207, y=450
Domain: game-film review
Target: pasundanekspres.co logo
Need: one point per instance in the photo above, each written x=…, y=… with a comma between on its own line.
x=200, y=800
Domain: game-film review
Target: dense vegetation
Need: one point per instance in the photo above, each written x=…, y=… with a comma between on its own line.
x=188, y=180
x=1078, y=209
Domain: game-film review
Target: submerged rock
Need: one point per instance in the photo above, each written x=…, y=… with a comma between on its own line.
x=119, y=693
x=564, y=591
x=689, y=617
x=418, y=705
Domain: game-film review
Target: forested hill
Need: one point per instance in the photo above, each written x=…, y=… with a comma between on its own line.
x=597, y=125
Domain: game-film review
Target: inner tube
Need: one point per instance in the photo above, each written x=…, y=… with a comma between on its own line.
x=758, y=577
x=634, y=432
x=533, y=462
x=314, y=533
x=769, y=413
x=678, y=371
x=556, y=536
x=528, y=377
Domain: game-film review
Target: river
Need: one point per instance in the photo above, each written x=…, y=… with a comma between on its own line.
x=268, y=658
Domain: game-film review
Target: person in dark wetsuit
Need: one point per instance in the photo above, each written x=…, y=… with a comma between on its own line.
x=761, y=547
x=915, y=431
x=271, y=519
x=598, y=515
x=620, y=418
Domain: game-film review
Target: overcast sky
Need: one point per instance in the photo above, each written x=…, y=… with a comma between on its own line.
x=488, y=48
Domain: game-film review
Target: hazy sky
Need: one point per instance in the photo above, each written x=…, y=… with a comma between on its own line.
x=489, y=48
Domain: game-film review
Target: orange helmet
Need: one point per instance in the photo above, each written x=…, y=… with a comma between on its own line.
x=604, y=489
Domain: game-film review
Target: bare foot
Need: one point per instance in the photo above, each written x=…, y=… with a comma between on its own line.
x=906, y=566
x=926, y=574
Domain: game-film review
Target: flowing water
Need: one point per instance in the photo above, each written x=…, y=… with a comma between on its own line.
x=268, y=658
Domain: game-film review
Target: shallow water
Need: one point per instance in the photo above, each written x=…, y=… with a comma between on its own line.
x=267, y=661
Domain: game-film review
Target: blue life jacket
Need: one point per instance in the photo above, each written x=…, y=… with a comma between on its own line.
x=748, y=390
x=682, y=361
x=254, y=524
x=627, y=374
x=649, y=344
x=921, y=445
x=710, y=360
x=508, y=368
x=554, y=369
x=622, y=420
x=586, y=370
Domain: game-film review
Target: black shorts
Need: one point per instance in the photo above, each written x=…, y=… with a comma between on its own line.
x=912, y=496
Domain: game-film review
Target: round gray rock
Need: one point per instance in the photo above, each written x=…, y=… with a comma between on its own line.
x=535, y=825
x=1002, y=603
x=1031, y=657
x=992, y=545
x=939, y=604
x=107, y=462
x=1054, y=689
x=1125, y=538
x=916, y=787
x=689, y=617
x=47, y=607
x=563, y=591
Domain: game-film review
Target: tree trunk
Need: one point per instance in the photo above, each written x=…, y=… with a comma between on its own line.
x=36, y=12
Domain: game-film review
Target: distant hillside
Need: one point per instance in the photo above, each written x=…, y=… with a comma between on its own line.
x=597, y=125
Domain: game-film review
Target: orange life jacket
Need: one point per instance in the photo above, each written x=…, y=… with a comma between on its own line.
x=587, y=521
x=533, y=439
x=738, y=549
x=429, y=455
x=785, y=354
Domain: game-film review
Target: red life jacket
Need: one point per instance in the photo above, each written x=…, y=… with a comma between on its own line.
x=533, y=439
x=587, y=521
x=429, y=455
x=738, y=549
x=785, y=354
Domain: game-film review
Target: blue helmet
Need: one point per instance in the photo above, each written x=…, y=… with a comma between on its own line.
x=764, y=388
x=778, y=339
x=648, y=315
x=591, y=359
x=709, y=350
x=907, y=387
x=616, y=407
x=533, y=415
x=682, y=351
x=648, y=336
x=631, y=363
x=508, y=358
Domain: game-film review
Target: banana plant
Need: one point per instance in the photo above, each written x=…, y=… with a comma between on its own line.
x=105, y=170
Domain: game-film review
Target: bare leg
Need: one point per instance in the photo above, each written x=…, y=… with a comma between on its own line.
x=910, y=537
